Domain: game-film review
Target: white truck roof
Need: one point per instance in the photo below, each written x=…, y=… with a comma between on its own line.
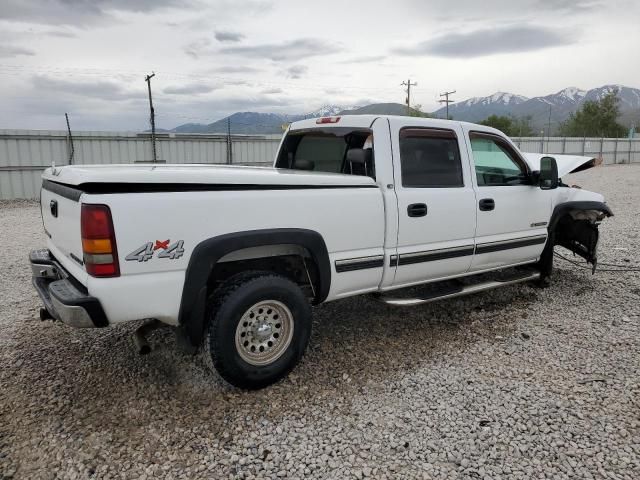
x=365, y=121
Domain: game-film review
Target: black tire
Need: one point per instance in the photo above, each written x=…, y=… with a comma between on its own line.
x=226, y=309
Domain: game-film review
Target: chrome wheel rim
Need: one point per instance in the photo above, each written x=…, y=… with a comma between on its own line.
x=264, y=332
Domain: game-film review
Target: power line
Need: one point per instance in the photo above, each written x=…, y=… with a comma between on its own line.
x=446, y=100
x=408, y=84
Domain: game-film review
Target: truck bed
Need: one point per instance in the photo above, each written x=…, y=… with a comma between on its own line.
x=88, y=175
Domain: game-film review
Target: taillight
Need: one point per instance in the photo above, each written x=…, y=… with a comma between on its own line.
x=328, y=120
x=99, y=241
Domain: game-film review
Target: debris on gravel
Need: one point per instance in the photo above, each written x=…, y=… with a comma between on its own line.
x=514, y=383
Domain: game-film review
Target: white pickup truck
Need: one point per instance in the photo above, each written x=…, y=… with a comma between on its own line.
x=234, y=256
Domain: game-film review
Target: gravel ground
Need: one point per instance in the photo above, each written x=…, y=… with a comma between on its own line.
x=513, y=383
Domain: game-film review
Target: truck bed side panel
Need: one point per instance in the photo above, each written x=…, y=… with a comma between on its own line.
x=350, y=220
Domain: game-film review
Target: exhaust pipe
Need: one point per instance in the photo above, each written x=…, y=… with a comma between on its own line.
x=140, y=336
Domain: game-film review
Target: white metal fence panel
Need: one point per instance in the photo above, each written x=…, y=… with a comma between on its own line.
x=612, y=150
x=25, y=153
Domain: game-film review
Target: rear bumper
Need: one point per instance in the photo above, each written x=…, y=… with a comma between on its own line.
x=63, y=297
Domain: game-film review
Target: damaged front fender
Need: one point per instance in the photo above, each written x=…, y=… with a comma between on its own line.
x=574, y=226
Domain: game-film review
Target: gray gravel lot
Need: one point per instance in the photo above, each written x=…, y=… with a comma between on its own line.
x=513, y=383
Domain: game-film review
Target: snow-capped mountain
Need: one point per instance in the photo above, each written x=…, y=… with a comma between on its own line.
x=500, y=98
x=629, y=97
x=558, y=105
x=569, y=95
x=329, y=110
x=478, y=108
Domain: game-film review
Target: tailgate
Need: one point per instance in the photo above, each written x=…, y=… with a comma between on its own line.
x=61, y=218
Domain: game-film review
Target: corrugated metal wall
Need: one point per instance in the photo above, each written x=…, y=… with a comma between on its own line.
x=25, y=153
x=612, y=150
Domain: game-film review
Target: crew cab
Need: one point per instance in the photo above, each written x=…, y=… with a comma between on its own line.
x=234, y=257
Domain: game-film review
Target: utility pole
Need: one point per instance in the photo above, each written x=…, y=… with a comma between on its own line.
x=408, y=84
x=229, y=152
x=153, y=116
x=549, y=129
x=70, y=140
x=446, y=100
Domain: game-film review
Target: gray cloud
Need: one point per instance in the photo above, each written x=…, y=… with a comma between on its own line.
x=191, y=89
x=95, y=89
x=77, y=12
x=198, y=47
x=271, y=91
x=228, y=37
x=92, y=105
x=479, y=43
x=575, y=6
x=235, y=69
x=291, y=50
x=296, y=71
x=219, y=12
x=364, y=59
x=9, y=51
x=497, y=10
x=61, y=33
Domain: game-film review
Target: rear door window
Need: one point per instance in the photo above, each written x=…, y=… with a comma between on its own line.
x=430, y=158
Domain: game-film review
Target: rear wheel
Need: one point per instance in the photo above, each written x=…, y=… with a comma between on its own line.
x=259, y=327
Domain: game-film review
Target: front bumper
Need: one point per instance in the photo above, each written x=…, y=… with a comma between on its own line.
x=64, y=297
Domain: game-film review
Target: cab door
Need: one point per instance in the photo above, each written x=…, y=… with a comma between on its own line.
x=512, y=212
x=436, y=201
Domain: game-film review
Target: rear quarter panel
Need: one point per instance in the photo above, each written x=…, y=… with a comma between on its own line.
x=350, y=220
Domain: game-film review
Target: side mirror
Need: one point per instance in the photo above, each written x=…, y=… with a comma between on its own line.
x=548, y=176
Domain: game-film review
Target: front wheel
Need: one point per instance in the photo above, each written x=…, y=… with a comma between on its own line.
x=259, y=327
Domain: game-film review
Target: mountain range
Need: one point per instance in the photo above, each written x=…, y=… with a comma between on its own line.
x=257, y=123
x=559, y=105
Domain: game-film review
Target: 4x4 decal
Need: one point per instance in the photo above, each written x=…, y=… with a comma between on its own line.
x=144, y=253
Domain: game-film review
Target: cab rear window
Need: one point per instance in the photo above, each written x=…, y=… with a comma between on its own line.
x=326, y=150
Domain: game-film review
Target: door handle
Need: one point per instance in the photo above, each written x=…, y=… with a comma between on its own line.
x=486, y=204
x=417, y=210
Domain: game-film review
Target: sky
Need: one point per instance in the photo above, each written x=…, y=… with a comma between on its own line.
x=212, y=58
